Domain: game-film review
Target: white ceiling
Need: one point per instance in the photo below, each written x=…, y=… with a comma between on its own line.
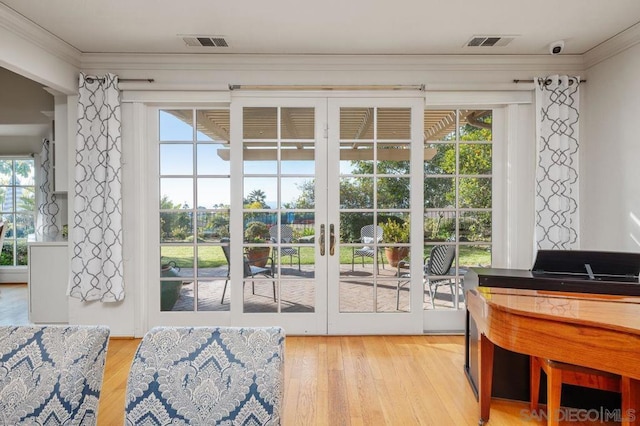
x=330, y=26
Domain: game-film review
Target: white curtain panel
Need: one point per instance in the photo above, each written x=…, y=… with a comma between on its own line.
x=96, y=233
x=48, y=209
x=557, y=115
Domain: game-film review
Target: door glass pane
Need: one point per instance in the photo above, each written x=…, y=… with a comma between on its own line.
x=176, y=278
x=176, y=125
x=476, y=125
x=439, y=192
x=260, y=123
x=356, y=123
x=297, y=193
x=260, y=193
x=356, y=158
x=260, y=157
x=394, y=159
x=394, y=123
x=394, y=193
x=214, y=193
x=176, y=193
x=212, y=274
x=176, y=159
x=212, y=125
x=213, y=225
x=442, y=159
x=176, y=227
x=356, y=294
x=213, y=159
x=297, y=158
x=475, y=193
x=475, y=159
x=298, y=123
x=440, y=125
x=440, y=225
x=356, y=193
x=475, y=226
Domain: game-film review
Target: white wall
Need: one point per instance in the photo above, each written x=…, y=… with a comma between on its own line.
x=610, y=152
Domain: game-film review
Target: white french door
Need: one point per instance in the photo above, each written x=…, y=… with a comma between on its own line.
x=374, y=186
x=269, y=203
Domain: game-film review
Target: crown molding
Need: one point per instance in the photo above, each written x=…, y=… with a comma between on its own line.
x=34, y=34
x=613, y=46
x=226, y=62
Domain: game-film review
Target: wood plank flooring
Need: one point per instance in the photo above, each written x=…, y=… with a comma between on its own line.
x=338, y=380
x=356, y=380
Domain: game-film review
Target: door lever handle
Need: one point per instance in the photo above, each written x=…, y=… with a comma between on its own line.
x=321, y=240
x=332, y=240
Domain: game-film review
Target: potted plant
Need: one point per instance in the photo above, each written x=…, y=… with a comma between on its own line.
x=395, y=231
x=257, y=232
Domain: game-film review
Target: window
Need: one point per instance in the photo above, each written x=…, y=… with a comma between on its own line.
x=194, y=208
x=17, y=208
x=457, y=200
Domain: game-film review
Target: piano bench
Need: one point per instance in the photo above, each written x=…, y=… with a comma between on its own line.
x=559, y=373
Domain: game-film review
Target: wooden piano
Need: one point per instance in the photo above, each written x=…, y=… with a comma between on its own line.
x=576, y=307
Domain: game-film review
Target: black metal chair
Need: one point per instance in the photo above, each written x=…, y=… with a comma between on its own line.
x=437, y=266
x=249, y=271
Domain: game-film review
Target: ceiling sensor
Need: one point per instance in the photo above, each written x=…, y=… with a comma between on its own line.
x=489, y=41
x=204, y=41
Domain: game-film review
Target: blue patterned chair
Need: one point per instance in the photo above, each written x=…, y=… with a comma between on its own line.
x=51, y=375
x=207, y=376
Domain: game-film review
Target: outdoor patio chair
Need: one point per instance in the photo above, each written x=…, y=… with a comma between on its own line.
x=249, y=271
x=370, y=235
x=207, y=376
x=286, y=237
x=439, y=263
x=51, y=375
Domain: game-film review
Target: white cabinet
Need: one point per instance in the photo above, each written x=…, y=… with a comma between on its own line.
x=48, y=277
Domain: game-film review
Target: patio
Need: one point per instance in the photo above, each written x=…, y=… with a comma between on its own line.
x=298, y=291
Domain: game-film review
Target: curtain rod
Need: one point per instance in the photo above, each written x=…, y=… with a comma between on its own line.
x=324, y=87
x=547, y=81
x=91, y=79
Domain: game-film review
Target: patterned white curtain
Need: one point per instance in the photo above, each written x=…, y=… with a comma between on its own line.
x=96, y=234
x=557, y=114
x=46, y=218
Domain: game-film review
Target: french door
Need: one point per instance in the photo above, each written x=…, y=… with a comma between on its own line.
x=318, y=190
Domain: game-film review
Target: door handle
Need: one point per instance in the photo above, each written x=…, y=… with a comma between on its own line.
x=332, y=240
x=321, y=240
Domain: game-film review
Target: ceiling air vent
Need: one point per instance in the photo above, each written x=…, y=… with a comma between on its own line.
x=205, y=41
x=489, y=41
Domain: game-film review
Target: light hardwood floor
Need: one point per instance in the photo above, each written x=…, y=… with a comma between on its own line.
x=356, y=380
x=338, y=380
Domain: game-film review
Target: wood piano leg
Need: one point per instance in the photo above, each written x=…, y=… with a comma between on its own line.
x=554, y=390
x=486, y=377
x=630, y=401
x=534, y=386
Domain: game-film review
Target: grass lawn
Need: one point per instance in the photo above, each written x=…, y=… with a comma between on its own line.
x=213, y=256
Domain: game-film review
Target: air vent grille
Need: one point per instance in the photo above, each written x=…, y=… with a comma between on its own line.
x=489, y=41
x=205, y=41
